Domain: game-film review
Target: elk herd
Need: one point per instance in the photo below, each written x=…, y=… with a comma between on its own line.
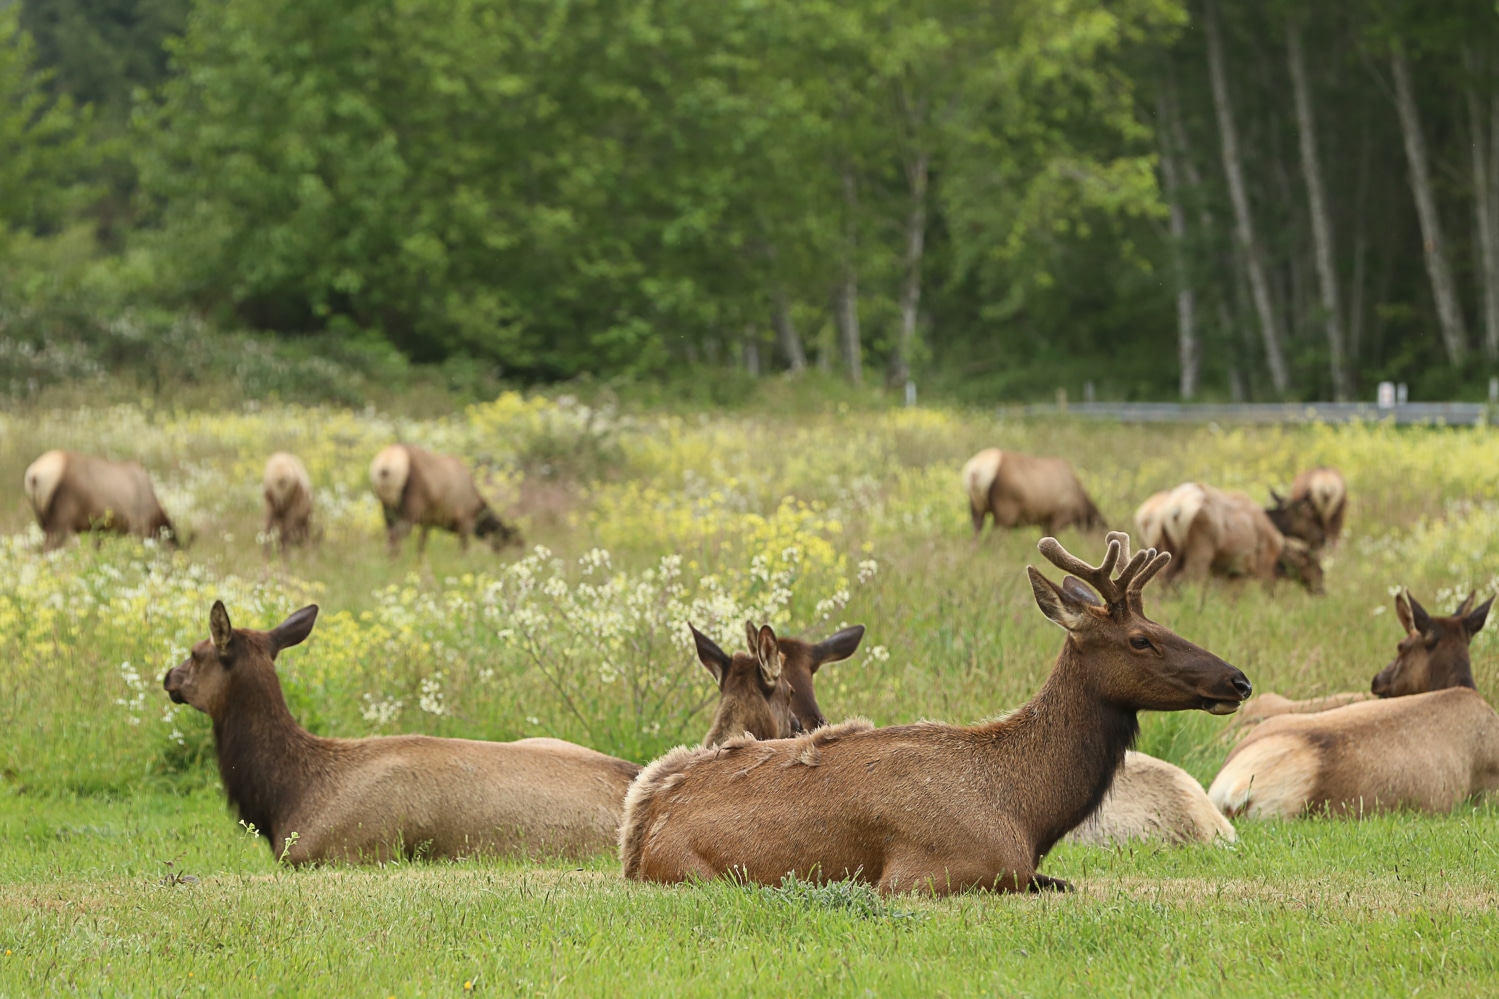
x=774, y=789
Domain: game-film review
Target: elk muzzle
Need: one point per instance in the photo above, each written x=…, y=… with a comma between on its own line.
x=1232, y=689
x=172, y=683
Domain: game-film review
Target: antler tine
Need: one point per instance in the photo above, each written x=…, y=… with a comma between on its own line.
x=1158, y=561
x=1123, y=540
x=1096, y=576
x=1126, y=577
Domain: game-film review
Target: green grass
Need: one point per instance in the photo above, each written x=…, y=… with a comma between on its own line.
x=122, y=872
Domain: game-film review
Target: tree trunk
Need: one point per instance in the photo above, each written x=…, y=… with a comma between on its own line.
x=847, y=310
x=1327, y=273
x=791, y=341
x=1356, y=293
x=1443, y=289
x=910, y=291
x=1244, y=223
x=751, y=349
x=1483, y=210
x=1186, y=302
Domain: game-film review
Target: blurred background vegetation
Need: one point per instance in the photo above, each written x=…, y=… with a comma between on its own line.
x=325, y=200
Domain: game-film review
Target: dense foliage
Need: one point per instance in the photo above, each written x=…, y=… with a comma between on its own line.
x=1161, y=197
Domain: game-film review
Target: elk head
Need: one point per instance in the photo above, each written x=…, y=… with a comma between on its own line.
x=1300, y=563
x=754, y=695
x=801, y=661
x=216, y=669
x=1433, y=655
x=1297, y=518
x=1124, y=657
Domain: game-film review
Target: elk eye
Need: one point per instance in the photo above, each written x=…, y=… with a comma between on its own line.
x=1140, y=642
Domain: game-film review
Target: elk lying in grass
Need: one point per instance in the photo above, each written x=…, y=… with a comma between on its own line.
x=1428, y=743
x=369, y=800
x=767, y=693
x=1153, y=800
x=934, y=807
x=1328, y=493
x=419, y=488
x=72, y=493
x=1020, y=489
x=288, y=501
x=1224, y=533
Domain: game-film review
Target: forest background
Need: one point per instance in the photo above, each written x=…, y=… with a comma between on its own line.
x=1140, y=199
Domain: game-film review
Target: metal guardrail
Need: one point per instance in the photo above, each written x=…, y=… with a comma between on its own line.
x=1457, y=414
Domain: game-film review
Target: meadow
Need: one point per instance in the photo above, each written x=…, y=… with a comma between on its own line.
x=122, y=872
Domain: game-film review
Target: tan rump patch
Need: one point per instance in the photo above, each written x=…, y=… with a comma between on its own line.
x=979, y=475
x=1271, y=777
x=41, y=479
x=388, y=474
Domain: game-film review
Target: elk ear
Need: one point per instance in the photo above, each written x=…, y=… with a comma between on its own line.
x=1466, y=605
x=1079, y=591
x=1060, y=606
x=1419, y=617
x=710, y=655
x=1474, y=622
x=768, y=652
x=1403, y=611
x=837, y=648
x=294, y=630
x=220, y=629
x=1277, y=498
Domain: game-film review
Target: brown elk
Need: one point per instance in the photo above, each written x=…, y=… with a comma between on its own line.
x=767, y=693
x=1020, y=489
x=288, y=501
x=1429, y=741
x=72, y=493
x=419, y=488
x=935, y=807
x=1224, y=533
x=1328, y=493
x=372, y=799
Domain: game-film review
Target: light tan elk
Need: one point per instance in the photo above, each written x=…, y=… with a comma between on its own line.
x=1328, y=494
x=419, y=488
x=1428, y=743
x=368, y=800
x=72, y=493
x=1223, y=533
x=288, y=501
x=1153, y=800
x=1020, y=489
x=934, y=807
x=767, y=693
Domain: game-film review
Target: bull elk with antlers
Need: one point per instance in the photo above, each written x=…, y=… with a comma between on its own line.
x=1429, y=742
x=934, y=807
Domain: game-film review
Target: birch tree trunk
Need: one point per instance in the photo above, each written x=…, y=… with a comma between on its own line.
x=1311, y=169
x=1443, y=289
x=910, y=291
x=1483, y=209
x=1186, y=302
x=791, y=341
x=847, y=310
x=1259, y=284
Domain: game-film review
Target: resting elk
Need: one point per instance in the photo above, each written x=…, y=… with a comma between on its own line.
x=1021, y=489
x=934, y=807
x=417, y=487
x=288, y=501
x=1429, y=741
x=767, y=693
x=1225, y=533
x=1328, y=493
x=373, y=799
x=71, y=493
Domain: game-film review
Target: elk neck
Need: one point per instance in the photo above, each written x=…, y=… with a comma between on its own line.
x=267, y=761
x=1055, y=758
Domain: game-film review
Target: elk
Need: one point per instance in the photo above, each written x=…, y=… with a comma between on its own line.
x=1224, y=533
x=767, y=692
x=1428, y=742
x=417, y=487
x=1297, y=518
x=1153, y=800
x=374, y=799
x=72, y=493
x=288, y=501
x=1328, y=493
x=1020, y=489
x=934, y=807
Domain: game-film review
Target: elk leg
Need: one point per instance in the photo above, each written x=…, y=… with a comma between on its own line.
x=977, y=516
x=1040, y=883
x=421, y=540
x=396, y=533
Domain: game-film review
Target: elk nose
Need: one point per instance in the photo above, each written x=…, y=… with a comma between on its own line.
x=1243, y=687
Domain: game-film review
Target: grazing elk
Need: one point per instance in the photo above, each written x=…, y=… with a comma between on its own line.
x=1429, y=741
x=288, y=501
x=1224, y=533
x=1328, y=493
x=767, y=692
x=71, y=493
x=935, y=807
x=372, y=799
x=417, y=487
x=1021, y=489
x=1297, y=518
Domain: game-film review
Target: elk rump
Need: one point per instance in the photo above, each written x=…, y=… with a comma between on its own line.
x=287, y=489
x=72, y=493
x=1018, y=489
x=419, y=488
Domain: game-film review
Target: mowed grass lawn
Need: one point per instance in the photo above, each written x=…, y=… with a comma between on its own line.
x=122, y=872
